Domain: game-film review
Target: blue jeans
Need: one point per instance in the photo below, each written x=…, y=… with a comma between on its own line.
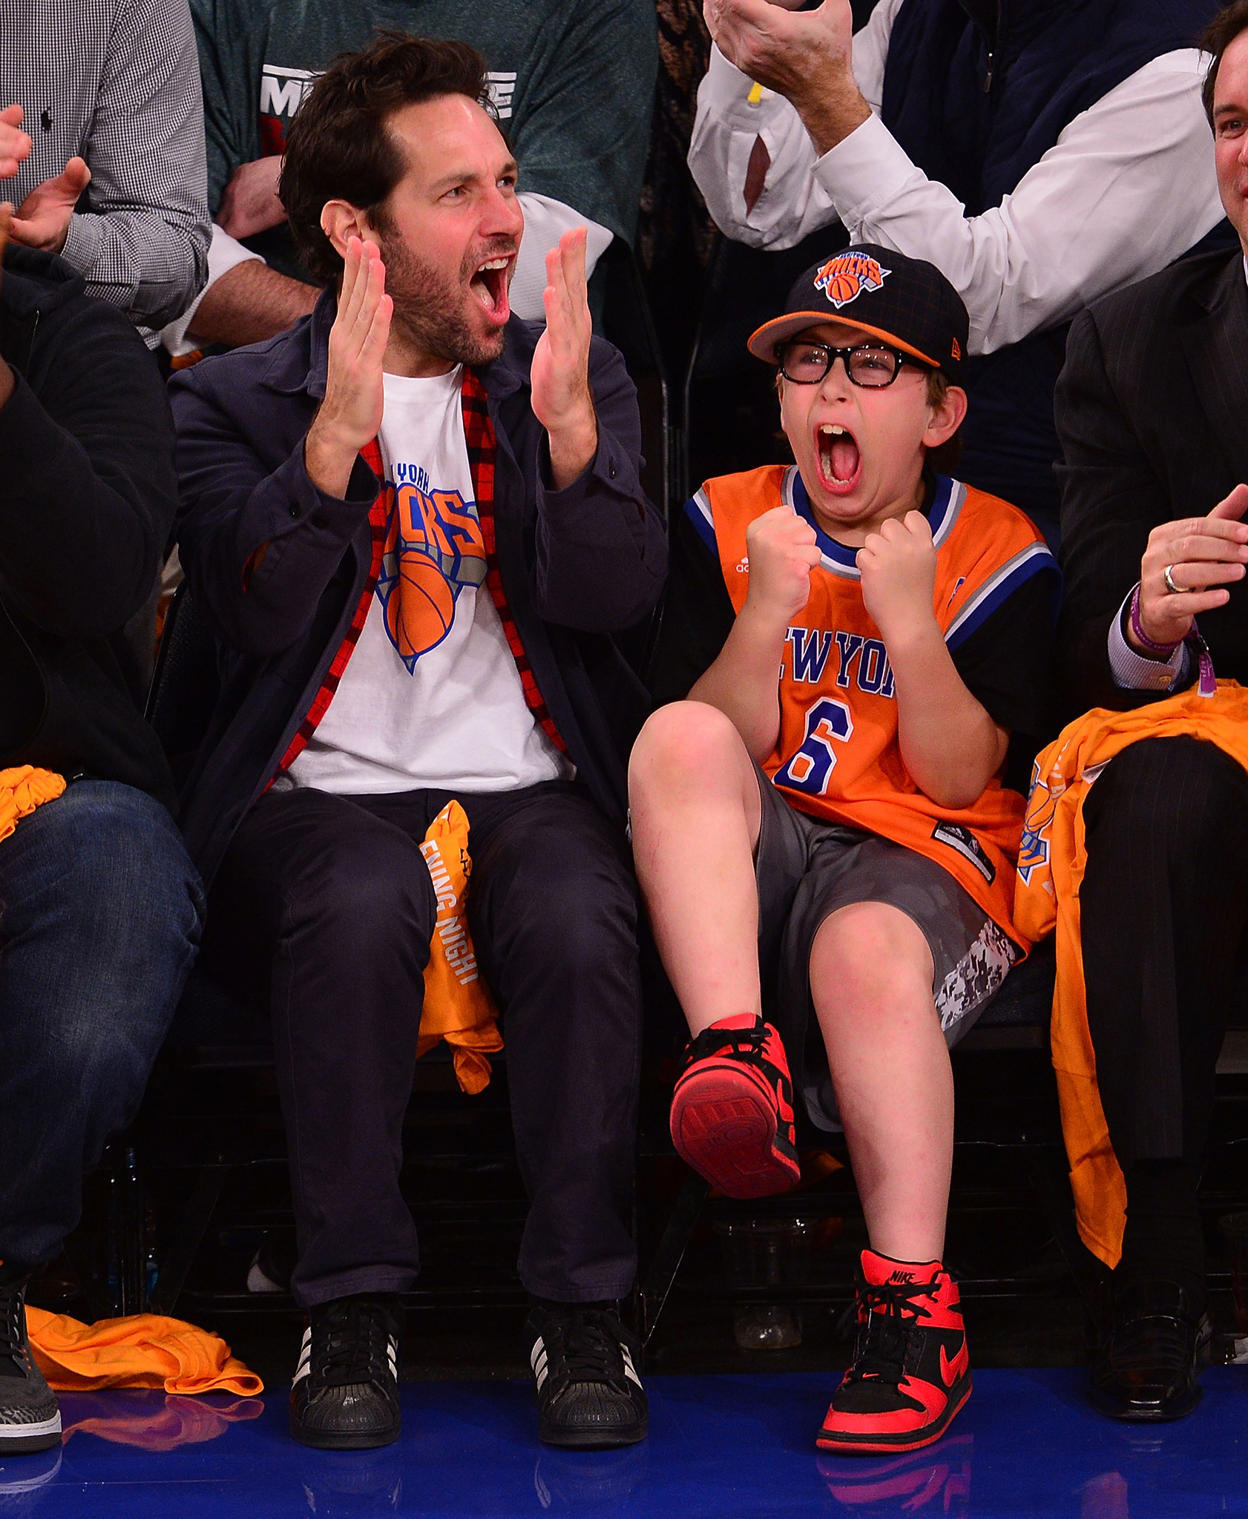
x=100, y=912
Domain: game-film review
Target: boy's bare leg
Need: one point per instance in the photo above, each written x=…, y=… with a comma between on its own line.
x=696, y=814
x=871, y=981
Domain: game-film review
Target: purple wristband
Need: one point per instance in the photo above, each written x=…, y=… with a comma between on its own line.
x=1151, y=644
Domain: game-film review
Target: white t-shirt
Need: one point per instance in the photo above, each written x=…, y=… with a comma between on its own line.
x=431, y=696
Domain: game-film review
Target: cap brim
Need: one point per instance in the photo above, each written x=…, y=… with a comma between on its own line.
x=764, y=340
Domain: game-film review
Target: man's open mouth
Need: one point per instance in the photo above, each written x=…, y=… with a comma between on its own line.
x=840, y=462
x=489, y=285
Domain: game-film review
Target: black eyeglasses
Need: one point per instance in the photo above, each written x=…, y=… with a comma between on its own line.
x=870, y=365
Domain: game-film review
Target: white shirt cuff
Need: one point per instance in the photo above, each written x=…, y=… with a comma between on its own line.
x=864, y=173
x=224, y=253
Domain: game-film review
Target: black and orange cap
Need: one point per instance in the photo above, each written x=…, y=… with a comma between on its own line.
x=906, y=302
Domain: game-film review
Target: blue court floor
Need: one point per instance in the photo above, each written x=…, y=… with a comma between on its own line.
x=719, y=1445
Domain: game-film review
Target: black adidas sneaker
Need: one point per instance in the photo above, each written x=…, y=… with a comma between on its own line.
x=589, y=1393
x=345, y=1395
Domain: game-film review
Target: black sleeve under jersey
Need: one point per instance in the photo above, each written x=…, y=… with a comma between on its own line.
x=1007, y=666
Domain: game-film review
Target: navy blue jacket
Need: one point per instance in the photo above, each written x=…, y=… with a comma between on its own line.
x=578, y=565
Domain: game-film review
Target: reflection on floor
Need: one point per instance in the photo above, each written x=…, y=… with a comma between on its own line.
x=719, y=1445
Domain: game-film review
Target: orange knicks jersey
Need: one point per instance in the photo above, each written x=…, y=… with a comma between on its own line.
x=836, y=755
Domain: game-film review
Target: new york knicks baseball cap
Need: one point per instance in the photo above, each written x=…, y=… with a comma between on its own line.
x=903, y=301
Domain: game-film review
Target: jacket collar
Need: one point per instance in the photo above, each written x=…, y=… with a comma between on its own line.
x=299, y=359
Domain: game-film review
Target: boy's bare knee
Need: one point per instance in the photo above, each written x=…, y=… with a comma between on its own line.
x=683, y=742
x=869, y=951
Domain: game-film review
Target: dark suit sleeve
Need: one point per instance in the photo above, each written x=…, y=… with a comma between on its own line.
x=1112, y=497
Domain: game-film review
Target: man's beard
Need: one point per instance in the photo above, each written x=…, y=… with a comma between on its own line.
x=429, y=306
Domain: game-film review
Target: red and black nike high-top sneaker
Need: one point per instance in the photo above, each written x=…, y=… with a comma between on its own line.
x=732, y=1109
x=911, y=1371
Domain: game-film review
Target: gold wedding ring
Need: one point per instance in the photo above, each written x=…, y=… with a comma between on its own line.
x=1170, y=582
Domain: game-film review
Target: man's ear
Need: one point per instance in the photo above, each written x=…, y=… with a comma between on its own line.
x=945, y=417
x=341, y=220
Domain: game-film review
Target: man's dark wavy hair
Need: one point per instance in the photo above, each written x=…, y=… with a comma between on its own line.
x=1216, y=38
x=338, y=146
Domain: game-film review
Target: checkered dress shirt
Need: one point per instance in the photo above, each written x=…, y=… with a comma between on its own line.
x=117, y=82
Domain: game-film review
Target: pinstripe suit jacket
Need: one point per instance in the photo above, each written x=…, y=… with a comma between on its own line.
x=1152, y=414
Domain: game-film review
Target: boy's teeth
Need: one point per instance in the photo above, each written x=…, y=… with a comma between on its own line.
x=838, y=452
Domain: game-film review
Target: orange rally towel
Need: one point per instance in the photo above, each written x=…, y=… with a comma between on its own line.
x=458, y=1006
x=22, y=789
x=1051, y=863
x=141, y=1350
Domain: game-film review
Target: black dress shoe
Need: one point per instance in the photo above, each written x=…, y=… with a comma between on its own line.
x=1148, y=1357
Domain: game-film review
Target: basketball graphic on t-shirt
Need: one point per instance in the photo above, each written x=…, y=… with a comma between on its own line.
x=421, y=606
x=433, y=551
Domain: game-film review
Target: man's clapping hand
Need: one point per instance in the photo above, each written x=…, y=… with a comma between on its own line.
x=42, y=219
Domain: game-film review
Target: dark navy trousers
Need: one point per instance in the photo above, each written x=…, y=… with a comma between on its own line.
x=334, y=897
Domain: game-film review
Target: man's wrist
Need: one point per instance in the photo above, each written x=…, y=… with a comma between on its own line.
x=1136, y=671
x=8, y=383
x=328, y=459
x=1140, y=641
x=572, y=445
x=830, y=110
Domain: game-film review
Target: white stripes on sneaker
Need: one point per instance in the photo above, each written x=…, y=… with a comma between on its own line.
x=305, y=1356
x=537, y=1360
x=304, y=1367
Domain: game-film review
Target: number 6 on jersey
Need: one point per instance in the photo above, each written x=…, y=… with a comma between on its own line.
x=810, y=769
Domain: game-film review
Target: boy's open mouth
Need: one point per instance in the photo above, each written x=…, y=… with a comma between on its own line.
x=489, y=285
x=840, y=462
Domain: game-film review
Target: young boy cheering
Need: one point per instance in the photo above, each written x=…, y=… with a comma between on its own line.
x=846, y=824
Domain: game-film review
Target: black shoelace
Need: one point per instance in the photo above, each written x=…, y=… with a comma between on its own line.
x=12, y=1328
x=886, y=1315
x=350, y=1343
x=587, y=1348
x=711, y=1040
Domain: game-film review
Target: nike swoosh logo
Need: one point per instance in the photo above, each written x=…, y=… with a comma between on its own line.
x=950, y=1371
